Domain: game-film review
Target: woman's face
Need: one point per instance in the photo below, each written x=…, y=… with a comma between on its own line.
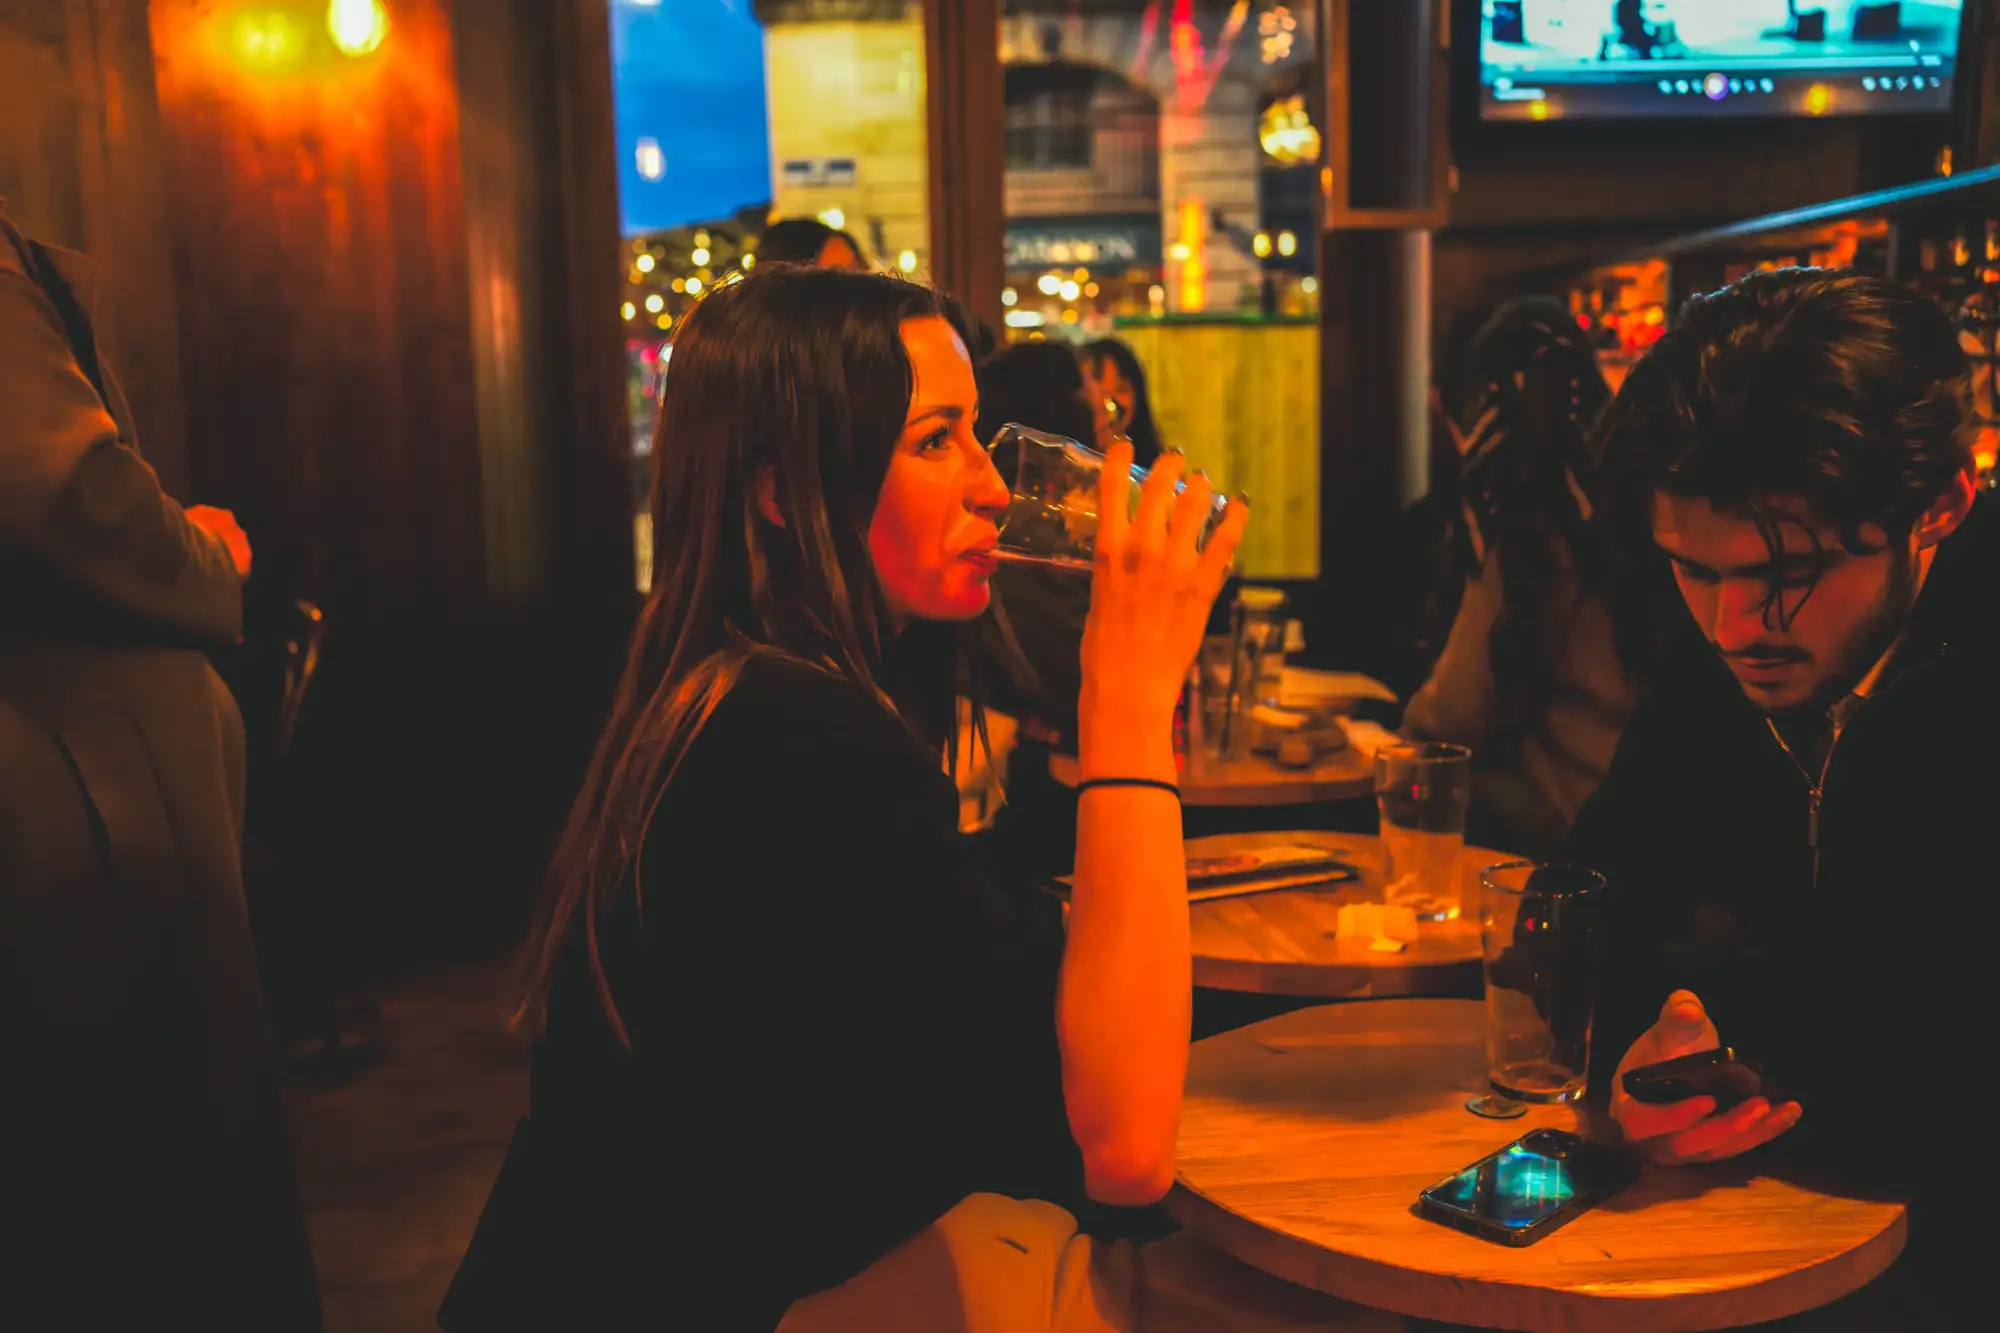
x=1114, y=396
x=937, y=519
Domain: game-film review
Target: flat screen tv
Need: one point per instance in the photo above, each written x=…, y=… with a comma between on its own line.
x=1603, y=59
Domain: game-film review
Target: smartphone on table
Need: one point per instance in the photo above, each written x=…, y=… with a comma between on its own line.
x=1529, y=1188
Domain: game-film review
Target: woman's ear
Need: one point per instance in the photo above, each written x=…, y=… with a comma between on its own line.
x=1949, y=509
x=767, y=497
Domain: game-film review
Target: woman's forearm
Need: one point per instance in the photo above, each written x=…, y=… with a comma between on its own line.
x=1123, y=1008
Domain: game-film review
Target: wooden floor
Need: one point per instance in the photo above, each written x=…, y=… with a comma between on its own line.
x=395, y=1163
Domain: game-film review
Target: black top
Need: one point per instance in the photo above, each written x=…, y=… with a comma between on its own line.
x=1857, y=977
x=840, y=1029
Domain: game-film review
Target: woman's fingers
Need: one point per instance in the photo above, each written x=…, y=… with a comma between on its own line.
x=1222, y=544
x=1191, y=510
x=1156, y=502
x=1114, y=520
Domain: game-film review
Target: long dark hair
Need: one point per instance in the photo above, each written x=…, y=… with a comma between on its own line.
x=1528, y=480
x=799, y=374
x=1141, y=429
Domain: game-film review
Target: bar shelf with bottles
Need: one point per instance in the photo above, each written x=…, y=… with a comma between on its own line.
x=1941, y=236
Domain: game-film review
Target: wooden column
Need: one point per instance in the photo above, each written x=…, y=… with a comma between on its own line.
x=398, y=315
x=967, y=152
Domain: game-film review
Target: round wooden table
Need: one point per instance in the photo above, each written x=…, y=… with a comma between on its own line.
x=1342, y=776
x=1305, y=1140
x=1287, y=942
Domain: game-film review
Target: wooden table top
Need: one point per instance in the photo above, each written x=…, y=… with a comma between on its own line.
x=1344, y=775
x=1305, y=1140
x=1286, y=943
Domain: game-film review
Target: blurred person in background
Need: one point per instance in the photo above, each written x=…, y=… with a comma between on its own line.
x=810, y=241
x=1530, y=675
x=142, y=1150
x=1118, y=390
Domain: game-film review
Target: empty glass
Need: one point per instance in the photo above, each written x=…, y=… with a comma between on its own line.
x=1422, y=791
x=1543, y=934
x=1053, y=518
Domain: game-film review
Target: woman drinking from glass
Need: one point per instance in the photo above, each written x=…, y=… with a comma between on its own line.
x=789, y=1040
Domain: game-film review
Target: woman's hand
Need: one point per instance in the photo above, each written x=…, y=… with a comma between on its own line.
x=1150, y=598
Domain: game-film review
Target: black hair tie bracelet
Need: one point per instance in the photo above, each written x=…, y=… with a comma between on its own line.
x=1154, y=783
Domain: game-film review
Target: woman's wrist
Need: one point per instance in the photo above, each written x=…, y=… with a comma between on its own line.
x=1126, y=743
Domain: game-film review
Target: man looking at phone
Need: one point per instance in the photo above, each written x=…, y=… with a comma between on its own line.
x=1794, y=827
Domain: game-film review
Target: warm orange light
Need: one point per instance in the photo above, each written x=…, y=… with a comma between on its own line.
x=1819, y=100
x=1191, y=253
x=268, y=41
x=1538, y=110
x=358, y=26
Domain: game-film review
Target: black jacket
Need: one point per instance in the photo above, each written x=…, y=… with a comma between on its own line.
x=1860, y=981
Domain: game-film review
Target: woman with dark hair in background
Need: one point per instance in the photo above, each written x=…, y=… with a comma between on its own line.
x=1029, y=649
x=1126, y=406
x=809, y=241
x=922, y=1057
x=1530, y=676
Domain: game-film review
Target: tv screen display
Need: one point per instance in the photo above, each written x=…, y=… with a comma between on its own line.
x=1596, y=59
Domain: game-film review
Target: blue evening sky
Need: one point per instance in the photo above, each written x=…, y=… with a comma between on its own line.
x=689, y=73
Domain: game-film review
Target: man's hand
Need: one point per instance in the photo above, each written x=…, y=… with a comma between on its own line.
x=222, y=525
x=1690, y=1131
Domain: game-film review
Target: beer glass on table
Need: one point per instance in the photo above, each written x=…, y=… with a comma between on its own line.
x=1422, y=791
x=1542, y=929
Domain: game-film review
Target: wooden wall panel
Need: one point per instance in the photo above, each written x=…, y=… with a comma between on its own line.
x=325, y=306
x=80, y=167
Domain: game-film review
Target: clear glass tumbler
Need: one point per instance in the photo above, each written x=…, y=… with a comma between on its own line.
x=1543, y=933
x=1422, y=791
x=1053, y=518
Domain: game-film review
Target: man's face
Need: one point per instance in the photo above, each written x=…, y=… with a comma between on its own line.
x=1833, y=613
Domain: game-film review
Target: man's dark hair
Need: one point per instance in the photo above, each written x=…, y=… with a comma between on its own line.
x=1847, y=390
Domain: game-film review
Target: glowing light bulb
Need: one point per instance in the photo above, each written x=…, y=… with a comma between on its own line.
x=907, y=261
x=700, y=256
x=694, y=286
x=834, y=218
x=1008, y=296
x=357, y=26
x=1048, y=284
x=1288, y=244
x=644, y=263
x=1260, y=244
x=1070, y=291
x=656, y=303
x=627, y=310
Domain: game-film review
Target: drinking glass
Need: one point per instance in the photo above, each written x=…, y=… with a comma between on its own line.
x=1053, y=518
x=1542, y=929
x=1422, y=791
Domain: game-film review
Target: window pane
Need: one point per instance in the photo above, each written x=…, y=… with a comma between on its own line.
x=733, y=114
x=1162, y=190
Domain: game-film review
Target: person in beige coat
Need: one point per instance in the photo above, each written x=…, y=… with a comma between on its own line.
x=143, y=1157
